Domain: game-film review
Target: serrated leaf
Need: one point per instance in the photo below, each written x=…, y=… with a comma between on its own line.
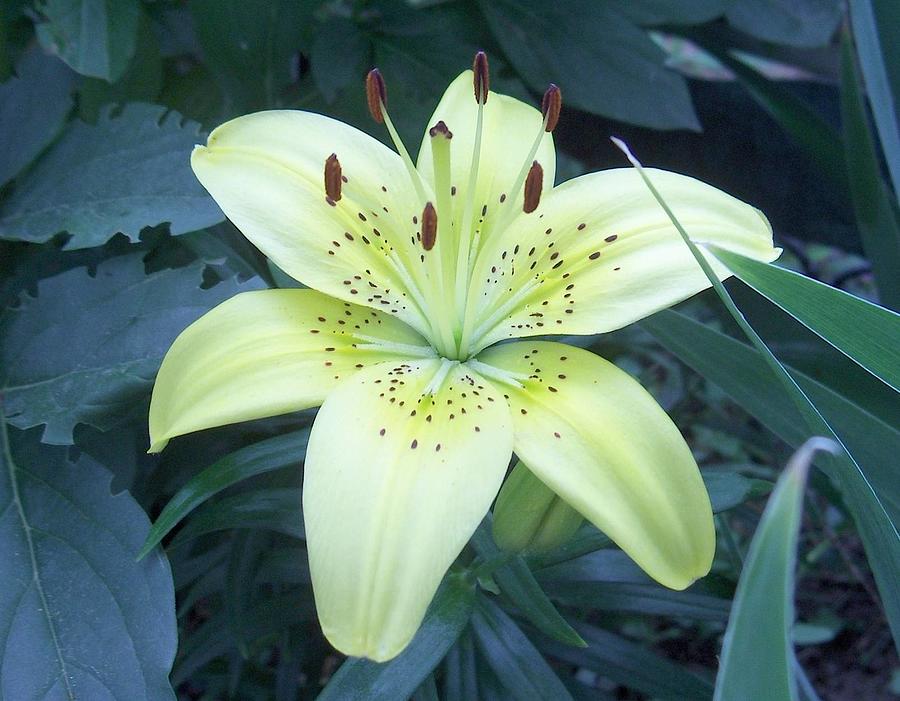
x=863, y=331
x=129, y=171
x=79, y=617
x=603, y=63
x=805, y=23
x=33, y=108
x=514, y=660
x=265, y=456
x=87, y=348
x=275, y=509
x=95, y=37
x=757, y=654
x=398, y=679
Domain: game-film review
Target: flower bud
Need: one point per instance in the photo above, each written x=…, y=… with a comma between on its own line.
x=530, y=517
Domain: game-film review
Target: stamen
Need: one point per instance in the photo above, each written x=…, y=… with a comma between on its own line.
x=333, y=178
x=376, y=97
x=551, y=106
x=533, y=184
x=429, y=226
x=482, y=77
x=376, y=94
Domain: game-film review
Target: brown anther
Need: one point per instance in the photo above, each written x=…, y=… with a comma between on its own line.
x=376, y=94
x=482, y=77
x=440, y=128
x=333, y=177
x=551, y=106
x=429, y=226
x=533, y=184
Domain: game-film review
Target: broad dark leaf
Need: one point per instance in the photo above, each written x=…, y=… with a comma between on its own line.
x=127, y=172
x=796, y=22
x=603, y=63
x=250, y=47
x=95, y=37
x=332, y=70
x=33, y=109
x=80, y=619
x=398, y=679
x=652, y=12
x=87, y=348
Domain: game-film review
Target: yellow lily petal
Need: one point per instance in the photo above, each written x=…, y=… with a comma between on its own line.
x=599, y=253
x=395, y=483
x=510, y=128
x=267, y=173
x=597, y=438
x=265, y=353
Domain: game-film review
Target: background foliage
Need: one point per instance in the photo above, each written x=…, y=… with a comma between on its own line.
x=109, y=248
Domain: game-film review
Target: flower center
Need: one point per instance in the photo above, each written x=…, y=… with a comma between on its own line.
x=446, y=277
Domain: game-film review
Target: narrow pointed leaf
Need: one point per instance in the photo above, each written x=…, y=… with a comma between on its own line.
x=631, y=665
x=875, y=206
x=518, y=583
x=874, y=24
x=272, y=509
x=863, y=331
x=757, y=658
x=515, y=661
x=878, y=533
x=265, y=456
x=398, y=679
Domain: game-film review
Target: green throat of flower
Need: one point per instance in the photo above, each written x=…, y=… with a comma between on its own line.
x=447, y=281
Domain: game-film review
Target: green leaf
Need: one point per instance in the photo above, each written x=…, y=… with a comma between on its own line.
x=274, y=509
x=521, y=669
x=863, y=331
x=96, y=37
x=86, y=349
x=79, y=617
x=655, y=12
x=129, y=171
x=757, y=658
x=609, y=580
x=141, y=81
x=398, y=679
x=264, y=619
x=625, y=78
x=804, y=124
x=265, y=456
x=878, y=533
x=631, y=665
x=874, y=24
x=33, y=107
x=521, y=588
x=742, y=374
x=876, y=208
x=250, y=47
x=805, y=23
x=460, y=670
x=333, y=71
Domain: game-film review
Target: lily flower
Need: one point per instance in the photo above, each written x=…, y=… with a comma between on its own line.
x=425, y=282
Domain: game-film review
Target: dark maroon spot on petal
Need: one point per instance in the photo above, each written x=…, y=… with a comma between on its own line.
x=595, y=255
